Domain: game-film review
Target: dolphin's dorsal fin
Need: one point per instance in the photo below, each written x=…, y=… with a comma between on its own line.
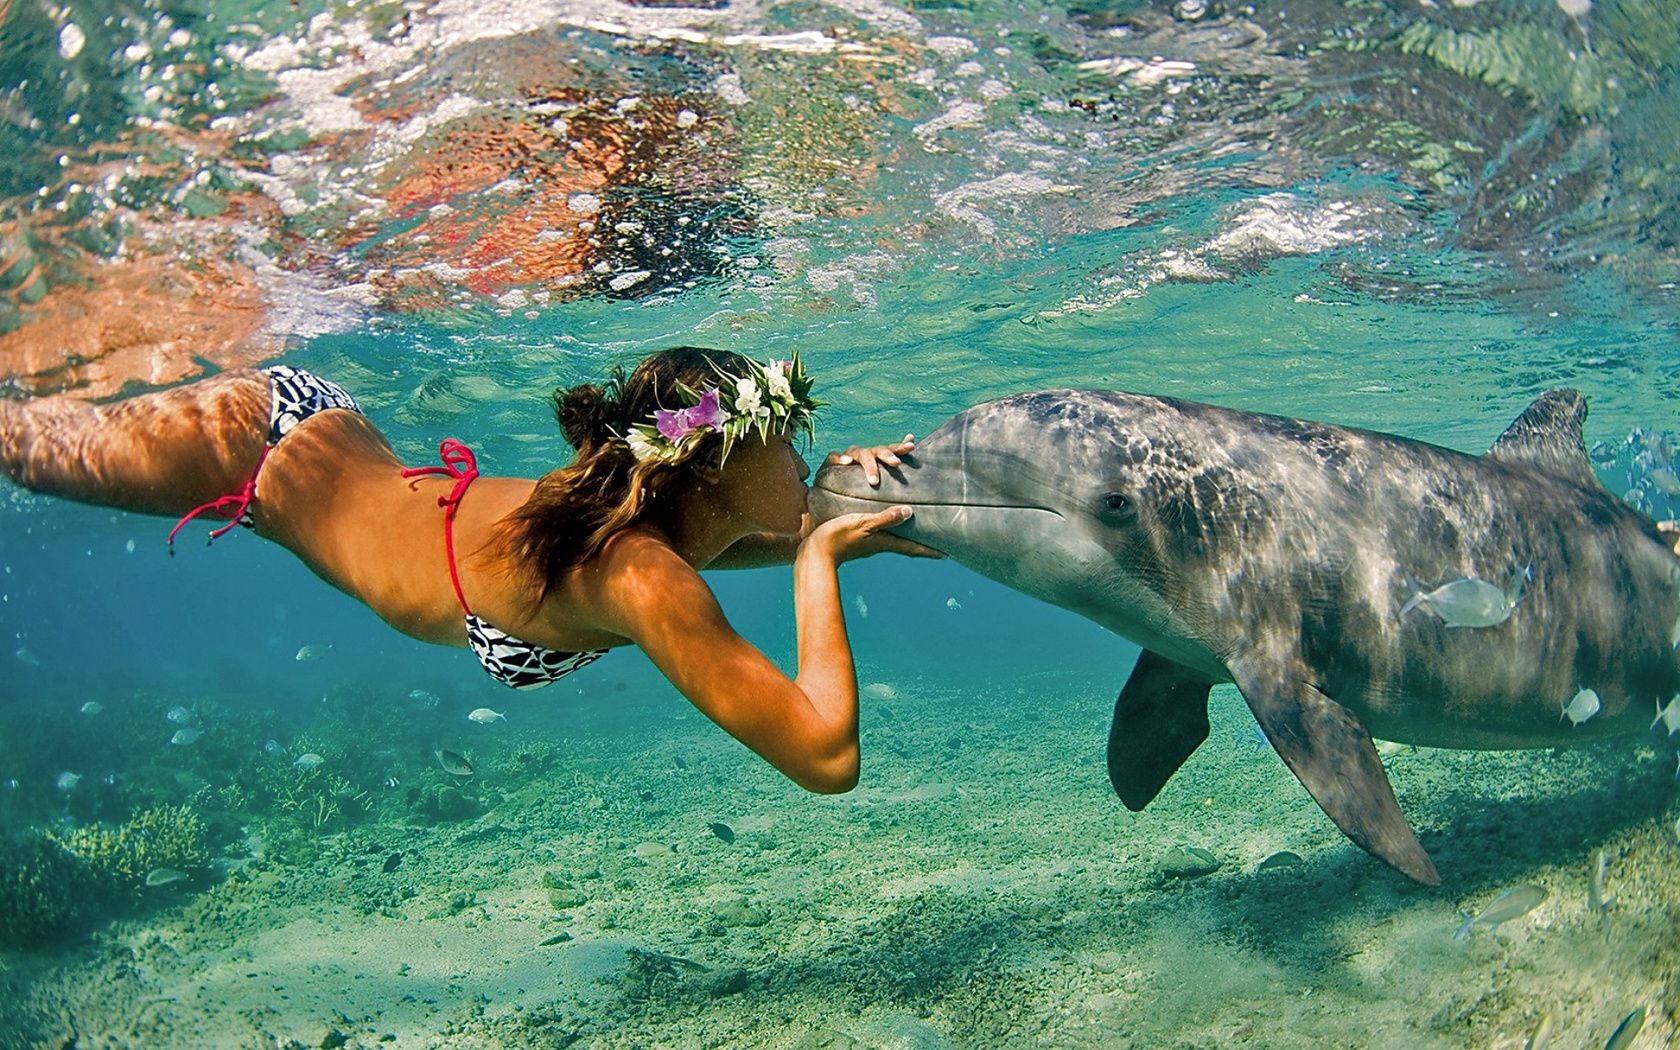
x=1547, y=437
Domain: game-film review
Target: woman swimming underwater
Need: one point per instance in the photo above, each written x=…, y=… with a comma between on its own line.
x=686, y=463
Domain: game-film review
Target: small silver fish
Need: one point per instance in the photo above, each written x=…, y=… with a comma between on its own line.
x=186, y=736
x=179, y=715
x=92, y=707
x=423, y=698
x=1583, y=706
x=880, y=691
x=1518, y=900
x=1668, y=717
x=27, y=658
x=1666, y=481
x=312, y=652
x=1541, y=1035
x=861, y=605
x=453, y=763
x=273, y=749
x=1596, y=900
x=484, y=716
x=308, y=760
x=164, y=876
x=1625, y=1032
x=67, y=780
x=1470, y=602
x=952, y=603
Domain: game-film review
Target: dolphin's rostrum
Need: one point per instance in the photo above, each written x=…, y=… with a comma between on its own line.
x=1278, y=554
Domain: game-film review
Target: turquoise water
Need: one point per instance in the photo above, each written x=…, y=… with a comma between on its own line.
x=1402, y=216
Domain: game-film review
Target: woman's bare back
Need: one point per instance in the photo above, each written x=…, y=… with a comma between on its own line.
x=340, y=502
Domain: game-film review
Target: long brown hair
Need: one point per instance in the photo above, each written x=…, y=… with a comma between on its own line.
x=573, y=511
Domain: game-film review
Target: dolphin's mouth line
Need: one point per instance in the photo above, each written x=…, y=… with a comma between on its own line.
x=881, y=499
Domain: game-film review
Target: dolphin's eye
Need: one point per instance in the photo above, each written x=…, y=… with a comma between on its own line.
x=1117, y=504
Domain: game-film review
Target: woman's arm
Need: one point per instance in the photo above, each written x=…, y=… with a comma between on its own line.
x=758, y=551
x=805, y=726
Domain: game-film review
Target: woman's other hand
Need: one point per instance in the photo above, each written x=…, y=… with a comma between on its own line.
x=872, y=457
x=1671, y=528
x=852, y=536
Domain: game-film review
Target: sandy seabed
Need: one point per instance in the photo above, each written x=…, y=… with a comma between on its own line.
x=982, y=887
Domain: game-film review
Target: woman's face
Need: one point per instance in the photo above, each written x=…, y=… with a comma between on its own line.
x=765, y=480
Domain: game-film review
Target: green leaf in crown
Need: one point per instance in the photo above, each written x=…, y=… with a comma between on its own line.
x=774, y=395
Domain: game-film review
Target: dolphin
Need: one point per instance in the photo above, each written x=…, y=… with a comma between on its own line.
x=1280, y=554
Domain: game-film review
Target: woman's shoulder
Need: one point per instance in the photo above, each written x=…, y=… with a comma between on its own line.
x=635, y=574
x=634, y=555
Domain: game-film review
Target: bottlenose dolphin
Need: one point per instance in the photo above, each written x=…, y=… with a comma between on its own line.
x=1279, y=554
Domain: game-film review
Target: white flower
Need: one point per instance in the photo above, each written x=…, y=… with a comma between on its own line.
x=777, y=380
x=746, y=397
x=640, y=446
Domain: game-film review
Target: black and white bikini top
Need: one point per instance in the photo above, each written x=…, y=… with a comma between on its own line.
x=511, y=661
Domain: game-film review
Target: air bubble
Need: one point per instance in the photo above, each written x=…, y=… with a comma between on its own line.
x=70, y=41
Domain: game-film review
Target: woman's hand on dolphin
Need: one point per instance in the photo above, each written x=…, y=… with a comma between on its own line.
x=852, y=536
x=872, y=457
x=1671, y=528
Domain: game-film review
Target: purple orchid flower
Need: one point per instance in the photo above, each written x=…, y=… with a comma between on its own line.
x=671, y=425
x=705, y=414
x=674, y=426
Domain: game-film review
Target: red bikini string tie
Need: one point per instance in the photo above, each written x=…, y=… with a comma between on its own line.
x=458, y=463
x=231, y=507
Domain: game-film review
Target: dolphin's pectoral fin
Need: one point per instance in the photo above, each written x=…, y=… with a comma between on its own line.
x=1330, y=752
x=1160, y=717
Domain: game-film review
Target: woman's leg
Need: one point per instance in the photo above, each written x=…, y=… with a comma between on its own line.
x=159, y=453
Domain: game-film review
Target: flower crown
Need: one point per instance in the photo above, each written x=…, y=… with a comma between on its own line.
x=776, y=395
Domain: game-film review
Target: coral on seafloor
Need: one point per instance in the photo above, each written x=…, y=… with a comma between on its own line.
x=49, y=881
x=44, y=888
x=165, y=837
x=446, y=802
